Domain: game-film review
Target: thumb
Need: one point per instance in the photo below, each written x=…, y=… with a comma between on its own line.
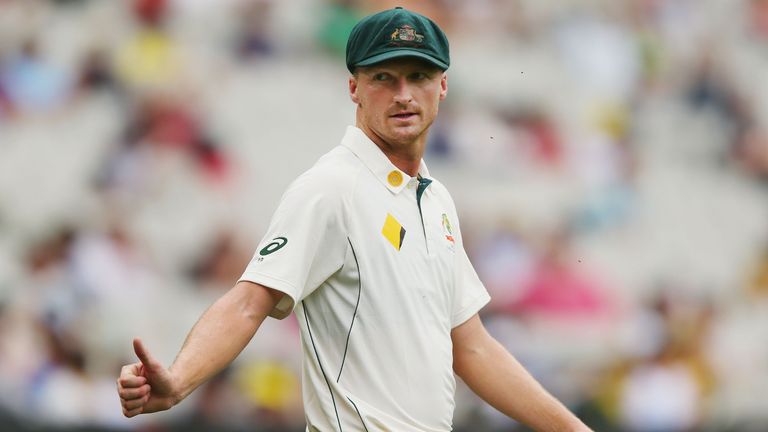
x=147, y=360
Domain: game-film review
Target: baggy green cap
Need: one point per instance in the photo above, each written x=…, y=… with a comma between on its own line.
x=396, y=33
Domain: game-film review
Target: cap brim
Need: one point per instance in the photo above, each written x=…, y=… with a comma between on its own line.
x=389, y=55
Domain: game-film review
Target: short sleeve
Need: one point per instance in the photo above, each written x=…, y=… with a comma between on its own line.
x=304, y=244
x=470, y=294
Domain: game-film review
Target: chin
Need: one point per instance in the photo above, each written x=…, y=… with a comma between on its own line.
x=407, y=133
x=403, y=138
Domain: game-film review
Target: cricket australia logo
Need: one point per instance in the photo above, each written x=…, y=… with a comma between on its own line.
x=405, y=35
x=448, y=231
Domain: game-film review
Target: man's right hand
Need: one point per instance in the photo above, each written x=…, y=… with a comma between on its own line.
x=146, y=386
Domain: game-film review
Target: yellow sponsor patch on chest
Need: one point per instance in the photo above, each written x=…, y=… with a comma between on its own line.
x=393, y=231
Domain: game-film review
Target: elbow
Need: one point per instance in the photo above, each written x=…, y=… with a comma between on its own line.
x=464, y=358
x=254, y=302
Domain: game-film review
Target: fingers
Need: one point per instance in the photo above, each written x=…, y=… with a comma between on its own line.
x=134, y=412
x=127, y=394
x=143, y=354
x=132, y=382
x=133, y=399
x=130, y=376
x=129, y=405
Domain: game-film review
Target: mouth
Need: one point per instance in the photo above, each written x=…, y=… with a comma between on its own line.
x=404, y=116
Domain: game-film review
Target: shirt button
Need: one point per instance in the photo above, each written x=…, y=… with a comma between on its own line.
x=394, y=178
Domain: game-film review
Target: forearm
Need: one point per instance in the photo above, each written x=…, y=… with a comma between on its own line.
x=499, y=379
x=220, y=335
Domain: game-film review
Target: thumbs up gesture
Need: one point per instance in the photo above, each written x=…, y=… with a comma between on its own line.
x=146, y=386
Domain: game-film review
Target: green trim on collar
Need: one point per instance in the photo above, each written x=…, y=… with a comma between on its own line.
x=423, y=184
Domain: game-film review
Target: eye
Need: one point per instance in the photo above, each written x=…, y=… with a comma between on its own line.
x=419, y=76
x=381, y=76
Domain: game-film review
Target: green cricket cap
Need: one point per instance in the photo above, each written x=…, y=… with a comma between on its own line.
x=396, y=33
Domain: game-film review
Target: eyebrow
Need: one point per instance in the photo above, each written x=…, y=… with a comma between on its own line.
x=373, y=70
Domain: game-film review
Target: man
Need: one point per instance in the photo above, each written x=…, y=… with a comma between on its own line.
x=366, y=248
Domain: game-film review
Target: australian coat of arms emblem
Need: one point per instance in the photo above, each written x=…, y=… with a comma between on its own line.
x=405, y=35
x=447, y=231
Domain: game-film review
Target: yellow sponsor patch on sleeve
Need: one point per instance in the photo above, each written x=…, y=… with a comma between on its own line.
x=393, y=231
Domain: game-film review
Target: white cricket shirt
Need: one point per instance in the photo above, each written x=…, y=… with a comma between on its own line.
x=372, y=262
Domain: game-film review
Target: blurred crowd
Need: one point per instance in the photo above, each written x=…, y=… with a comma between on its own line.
x=609, y=160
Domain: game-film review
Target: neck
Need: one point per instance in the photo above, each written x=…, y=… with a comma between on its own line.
x=405, y=156
x=407, y=165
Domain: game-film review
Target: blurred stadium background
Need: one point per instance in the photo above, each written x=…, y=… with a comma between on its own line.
x=609, y=160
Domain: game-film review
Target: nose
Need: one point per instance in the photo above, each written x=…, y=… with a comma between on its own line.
x=403, y=93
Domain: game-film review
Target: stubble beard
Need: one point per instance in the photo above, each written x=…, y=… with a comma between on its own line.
x=404, y=137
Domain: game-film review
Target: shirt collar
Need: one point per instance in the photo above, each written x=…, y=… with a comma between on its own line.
x=372, y=157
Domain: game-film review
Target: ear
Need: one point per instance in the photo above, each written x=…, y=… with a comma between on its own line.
x=353, y=89
x=444, y=86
